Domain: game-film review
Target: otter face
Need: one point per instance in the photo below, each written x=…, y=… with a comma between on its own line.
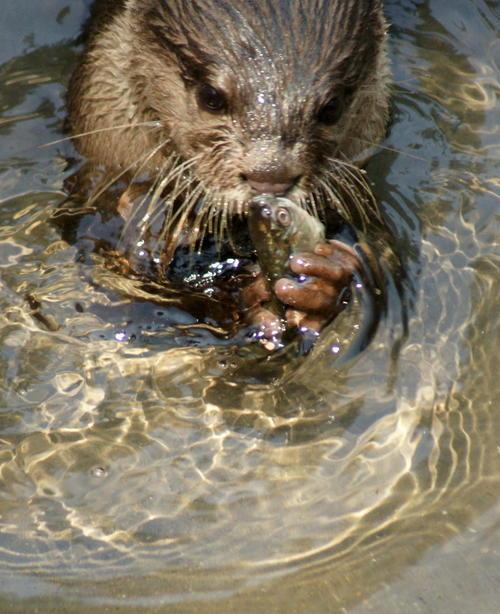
x=263, y=96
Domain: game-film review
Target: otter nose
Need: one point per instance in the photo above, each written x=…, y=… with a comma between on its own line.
x=271, y=181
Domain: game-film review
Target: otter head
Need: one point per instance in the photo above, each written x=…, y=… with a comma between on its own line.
x=262, y=96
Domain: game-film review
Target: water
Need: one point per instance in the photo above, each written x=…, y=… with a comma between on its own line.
x=147, y=463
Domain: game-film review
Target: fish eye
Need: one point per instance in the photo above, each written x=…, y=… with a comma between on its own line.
x=283, y=217
x=210, y=98
x=266, y=211
x=331, y=112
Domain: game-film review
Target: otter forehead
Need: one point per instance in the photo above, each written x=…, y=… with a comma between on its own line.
x=271, y=46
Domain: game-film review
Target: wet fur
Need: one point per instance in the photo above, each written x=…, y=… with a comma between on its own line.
x=278, y=62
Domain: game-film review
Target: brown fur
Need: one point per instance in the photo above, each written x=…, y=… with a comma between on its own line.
x=278, y=62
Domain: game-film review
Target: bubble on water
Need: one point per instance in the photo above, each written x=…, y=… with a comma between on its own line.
x=99, y=472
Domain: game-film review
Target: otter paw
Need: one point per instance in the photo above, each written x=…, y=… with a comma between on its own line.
x=266, y=328
x=323, y=279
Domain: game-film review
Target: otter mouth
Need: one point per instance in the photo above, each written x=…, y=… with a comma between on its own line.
x=277, y=189
x=179, y=206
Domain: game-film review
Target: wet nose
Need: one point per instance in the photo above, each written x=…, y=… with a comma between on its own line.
x=271, y=181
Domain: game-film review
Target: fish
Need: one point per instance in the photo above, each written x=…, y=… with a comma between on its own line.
x=279, y=228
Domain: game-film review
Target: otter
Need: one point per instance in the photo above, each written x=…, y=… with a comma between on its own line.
x=212, y=102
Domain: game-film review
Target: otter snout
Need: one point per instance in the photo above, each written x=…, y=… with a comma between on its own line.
x=271, y=168
x=271, y=181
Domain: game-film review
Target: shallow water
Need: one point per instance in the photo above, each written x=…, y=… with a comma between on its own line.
x=161, y=466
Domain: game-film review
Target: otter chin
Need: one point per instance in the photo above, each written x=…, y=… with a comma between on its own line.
x=211, y=102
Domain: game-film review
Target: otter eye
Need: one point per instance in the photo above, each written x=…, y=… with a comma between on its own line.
x=211, y=99
x=283, y=217
x=332, y=111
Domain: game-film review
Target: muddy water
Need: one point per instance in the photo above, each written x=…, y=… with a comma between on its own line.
x=149, y=463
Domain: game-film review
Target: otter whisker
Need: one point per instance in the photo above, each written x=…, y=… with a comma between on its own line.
x=202, y=214
x=180, y=179
x=167, y=209
x=211, y=210
x=351, y=176
x=391, y=149
x=306, y=204
x=351, y=172
x=365, y=197
x=345, y=163
x=321, y=206
x=156, y=206
x=184, y=187
x=332, y=194
x=220, y=216
x=231, y=206
x=182, y=214
x=152, y=124
x=210, y=215
x=138, y=211
x=142, y=161
x=352, y=196
x=154, y=195
x=217, y=218
x=223, y=215
x=314, y=205
x=155, y=150
x=371, y=201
